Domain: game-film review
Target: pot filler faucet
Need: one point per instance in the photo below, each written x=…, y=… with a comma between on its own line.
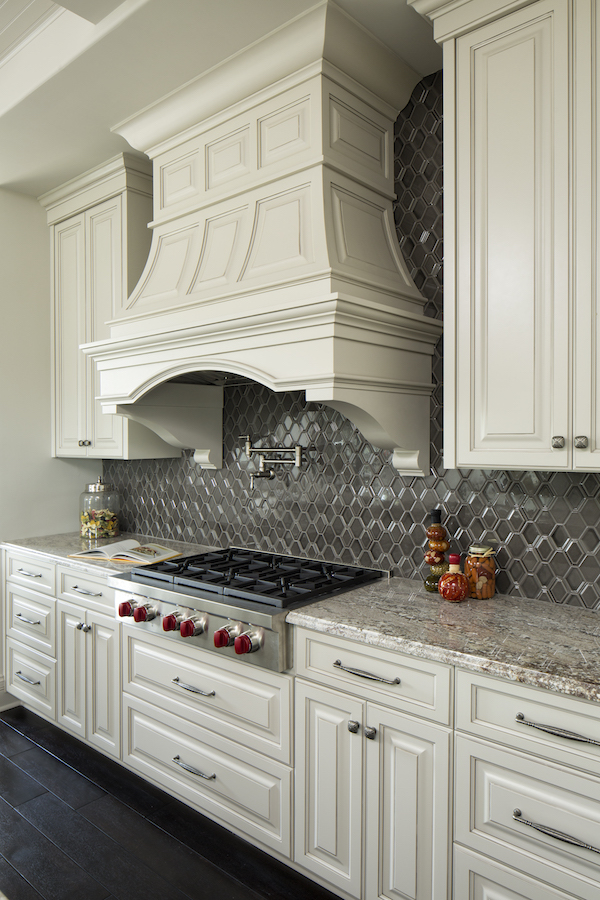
x=276, y=456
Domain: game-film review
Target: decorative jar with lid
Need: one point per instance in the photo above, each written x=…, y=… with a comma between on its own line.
x=453, y=585
x=99, y=508
x=480, y=569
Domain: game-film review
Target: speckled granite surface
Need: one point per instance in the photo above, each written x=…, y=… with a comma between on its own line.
x=530, y=641
x=61, y=546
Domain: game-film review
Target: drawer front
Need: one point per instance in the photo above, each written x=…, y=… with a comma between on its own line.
x=478, y=878
x=91, y=591
x=32, y=572
x=530, y=719
x=251, y=707
x=31, y=618
x=216, y=776
x=507, y=803
x=408, y=685
x=31, y=677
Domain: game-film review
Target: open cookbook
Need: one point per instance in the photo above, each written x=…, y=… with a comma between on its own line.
x=129, y=551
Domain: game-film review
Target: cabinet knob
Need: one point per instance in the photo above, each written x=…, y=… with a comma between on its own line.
x=370, y=732
x=85, y=443
x=86, y=628
x=353, y=726
x=558, y=442
x=581, y=442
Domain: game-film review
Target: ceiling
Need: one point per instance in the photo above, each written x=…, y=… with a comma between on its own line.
x=69, y=72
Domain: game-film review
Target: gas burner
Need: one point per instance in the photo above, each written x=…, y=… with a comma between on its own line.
x=256, y=576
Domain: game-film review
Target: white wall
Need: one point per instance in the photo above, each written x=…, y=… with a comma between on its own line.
x=38, y=495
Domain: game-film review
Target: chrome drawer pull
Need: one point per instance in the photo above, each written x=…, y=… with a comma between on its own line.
x=24, y=619
x=189, y=687
x=552, y=832
x=558, y=732
x=29, y=574
x=26, y=679
x=83, y=591
x=362, y=674
x=177, y=759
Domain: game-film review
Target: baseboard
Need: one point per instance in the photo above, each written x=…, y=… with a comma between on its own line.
x=7, y=701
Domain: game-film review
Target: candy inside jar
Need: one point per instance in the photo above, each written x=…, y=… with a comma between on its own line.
x=99, y=508
x=480, y=569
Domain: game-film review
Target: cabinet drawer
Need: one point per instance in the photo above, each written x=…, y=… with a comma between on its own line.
x=529, y=719
x=252, y=707
x=31, y=676
x=30, y=571
x=31, y=618
x=478, y=878
x=492, y=783
x=91, y=591
x=223, y=779
x=423, y=688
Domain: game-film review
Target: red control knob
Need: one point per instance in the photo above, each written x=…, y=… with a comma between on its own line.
x=222, y=638
x=170, y=623
x=193, y=626
x=125, y=608
x=140, y=614
x=243, y=644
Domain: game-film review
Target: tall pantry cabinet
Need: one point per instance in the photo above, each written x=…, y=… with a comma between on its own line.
x=100, y=244
x=521, y=282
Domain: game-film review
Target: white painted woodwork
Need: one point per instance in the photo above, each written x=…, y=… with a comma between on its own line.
x=251, y=708
x=492, y=781
x=511, y=355
x=425, y=688
x=31, y=618
x=103, y=683
x=249, y=792
x=70, y=653
x=36, y=687
x=329, y=785
x=274, y=253
x=79, y=587
x=407, y=812
x=478, y=878
x=488, y=708
x=100, y=244
x=31, y=571
x=89, y=683
x=521, y=213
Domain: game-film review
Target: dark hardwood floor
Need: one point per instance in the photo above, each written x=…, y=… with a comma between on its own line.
x=75, y=825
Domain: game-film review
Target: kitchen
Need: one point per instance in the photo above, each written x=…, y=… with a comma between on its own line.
x=347, y=503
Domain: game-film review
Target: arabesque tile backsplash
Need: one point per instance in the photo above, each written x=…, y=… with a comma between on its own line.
x=348, y=503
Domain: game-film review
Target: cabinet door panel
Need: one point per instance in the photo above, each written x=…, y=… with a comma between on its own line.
x=69, y=326
x=71, y=668
x=104, y=290
x=103, y=711
x=512, y=302
x=329, y=785
x=407, y=831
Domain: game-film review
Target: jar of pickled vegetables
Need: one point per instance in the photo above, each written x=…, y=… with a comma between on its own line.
x=99, y=508
x=480, y=569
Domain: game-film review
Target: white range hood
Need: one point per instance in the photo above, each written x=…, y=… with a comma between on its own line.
x=274, y=254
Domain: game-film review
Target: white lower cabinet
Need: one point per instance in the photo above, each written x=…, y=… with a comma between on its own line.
x=372, y=795
x=524, y=808
x=89, y=683
x=478, y=878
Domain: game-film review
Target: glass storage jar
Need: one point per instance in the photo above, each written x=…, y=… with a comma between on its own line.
x=99, y=508
x=480, y=569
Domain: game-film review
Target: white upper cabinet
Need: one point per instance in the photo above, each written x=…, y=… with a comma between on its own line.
x=520, y=379
x=100, y=244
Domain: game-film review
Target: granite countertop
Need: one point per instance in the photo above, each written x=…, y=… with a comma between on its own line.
x=530, y=641
x=59, y=548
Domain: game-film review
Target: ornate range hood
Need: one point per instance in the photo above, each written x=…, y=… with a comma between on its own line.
x=274, y=254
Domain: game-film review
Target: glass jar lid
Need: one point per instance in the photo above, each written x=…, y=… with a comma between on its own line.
x=481, y=550
x=99, y=486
